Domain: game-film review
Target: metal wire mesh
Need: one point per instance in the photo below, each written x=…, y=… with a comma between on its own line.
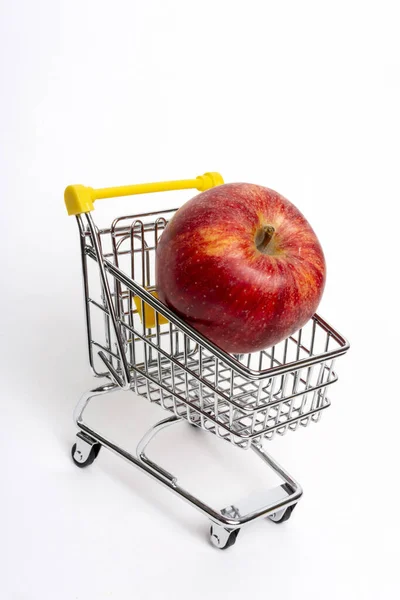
x=240, y=398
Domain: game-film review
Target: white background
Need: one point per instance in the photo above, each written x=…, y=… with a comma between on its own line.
x=302, y=97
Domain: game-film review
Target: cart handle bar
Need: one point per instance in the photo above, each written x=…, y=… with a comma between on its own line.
x=80, y=199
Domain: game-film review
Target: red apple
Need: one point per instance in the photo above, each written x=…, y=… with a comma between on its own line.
x=241, y=265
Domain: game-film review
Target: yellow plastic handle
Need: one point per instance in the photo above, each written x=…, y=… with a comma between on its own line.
x=80, y=199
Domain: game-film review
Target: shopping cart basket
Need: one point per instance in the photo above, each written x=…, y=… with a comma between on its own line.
x=136, y=343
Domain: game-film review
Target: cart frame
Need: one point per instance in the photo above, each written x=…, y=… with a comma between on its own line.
x=199, y=382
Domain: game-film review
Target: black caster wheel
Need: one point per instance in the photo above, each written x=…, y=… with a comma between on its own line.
x=82, y=459
x=280, y=517
x=222, y=538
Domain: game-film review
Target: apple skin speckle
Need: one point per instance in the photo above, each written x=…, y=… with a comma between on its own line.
x=211, y=272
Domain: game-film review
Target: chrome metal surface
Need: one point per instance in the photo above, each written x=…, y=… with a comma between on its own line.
x=269, y=501
x=83, y=447
x=146, y=439
x=277, y=516
x=125, y=375
x=243, y=399
x=220, y=536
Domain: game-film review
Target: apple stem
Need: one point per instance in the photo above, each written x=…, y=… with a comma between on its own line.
x=264, y=237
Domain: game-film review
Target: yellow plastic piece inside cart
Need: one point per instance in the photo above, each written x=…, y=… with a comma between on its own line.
x=149, y=312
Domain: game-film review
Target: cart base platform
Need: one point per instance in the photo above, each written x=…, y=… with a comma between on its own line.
x=276, y=503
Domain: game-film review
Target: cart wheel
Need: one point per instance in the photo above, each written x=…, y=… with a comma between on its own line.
x=282, y=516
x=80, y=460
x=223, y=538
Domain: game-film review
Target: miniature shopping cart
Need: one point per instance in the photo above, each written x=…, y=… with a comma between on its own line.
x=136, y=343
